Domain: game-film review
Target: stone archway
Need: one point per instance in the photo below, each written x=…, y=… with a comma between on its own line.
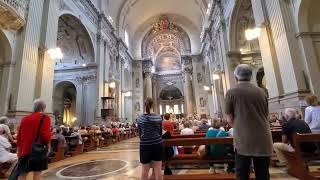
x=64, y=103
x=309, y=37
x=5, y=66
x=74, y=41
x=171, y=100
x=77, y=66
x=245, y=51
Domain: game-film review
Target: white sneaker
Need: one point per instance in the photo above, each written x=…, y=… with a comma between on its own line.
x=212, y=170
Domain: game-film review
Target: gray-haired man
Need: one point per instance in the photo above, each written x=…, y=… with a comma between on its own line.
x=247, y=111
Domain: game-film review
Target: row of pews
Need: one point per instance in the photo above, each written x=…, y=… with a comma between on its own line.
x=299, y=163
x=303, y=165
x=90, y=142
x=196, y=140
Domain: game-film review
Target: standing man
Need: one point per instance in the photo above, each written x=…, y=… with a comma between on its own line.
x=247, y=111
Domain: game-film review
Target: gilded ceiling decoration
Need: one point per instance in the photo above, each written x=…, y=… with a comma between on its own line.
x=164, y=23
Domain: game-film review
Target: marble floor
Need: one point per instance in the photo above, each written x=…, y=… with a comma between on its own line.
x=118, y=161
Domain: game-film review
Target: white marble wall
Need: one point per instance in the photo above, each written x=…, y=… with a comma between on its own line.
x=138, y=93
x=288, y=54
x=198, y=82
x=33, y=71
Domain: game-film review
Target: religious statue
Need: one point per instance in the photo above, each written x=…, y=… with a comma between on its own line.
x=199, y=77
x=137, y=83
x=203, y=102
x=137, y=106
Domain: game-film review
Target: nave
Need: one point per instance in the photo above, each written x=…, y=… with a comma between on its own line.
x=119, y=161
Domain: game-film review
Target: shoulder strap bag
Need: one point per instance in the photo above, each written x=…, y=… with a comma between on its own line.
x=38, y=151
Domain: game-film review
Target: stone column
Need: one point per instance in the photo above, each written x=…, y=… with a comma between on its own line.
x=37, y=33
x=268, y=52
x=7, y=71
x=148, y=80
x=277, y=16
x=311, y=62
x=188, y=92
x=100, y=60
x=147, y=65
x=121, y=89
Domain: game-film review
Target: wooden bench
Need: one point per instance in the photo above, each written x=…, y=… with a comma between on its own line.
x=216, y=176
x=74, y=147
x=107, y=138
x=188, y=136
x=88, y=143
x=298, y=162
x=57, y=152
x=4, y=167
x=193, y=158
x=195, y=132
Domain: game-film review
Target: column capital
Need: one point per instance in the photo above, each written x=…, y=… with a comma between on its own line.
x=187, y=70
x=186, y=60
x=148, y=74
x=147, y=65
x=235, y=58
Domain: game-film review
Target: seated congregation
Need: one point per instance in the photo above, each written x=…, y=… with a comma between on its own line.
x=65, y=142
x=242, y=145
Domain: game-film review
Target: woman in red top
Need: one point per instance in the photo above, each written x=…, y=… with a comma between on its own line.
x=167, y=124
x=26, y=136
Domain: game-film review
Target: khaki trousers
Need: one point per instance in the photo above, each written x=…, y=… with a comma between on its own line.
x=279, y=147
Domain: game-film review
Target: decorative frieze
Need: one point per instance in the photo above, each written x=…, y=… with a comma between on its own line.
x=86, y=78
x=13, y=13
x=89, y=10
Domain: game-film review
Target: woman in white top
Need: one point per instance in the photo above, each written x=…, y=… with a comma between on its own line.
x=187, y=130
x=312, y=113
x=5, y=155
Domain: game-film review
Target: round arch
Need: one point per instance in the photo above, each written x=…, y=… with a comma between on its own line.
x=67, y=12
x=242, y=19
x=5, y=58
x=170, y=93
x=6, y=50
x=308, y=16
x=75, y=42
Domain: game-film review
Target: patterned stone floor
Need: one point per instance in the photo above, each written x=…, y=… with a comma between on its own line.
x=118, y=161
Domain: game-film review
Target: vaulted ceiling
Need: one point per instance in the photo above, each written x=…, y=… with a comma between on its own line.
x=137, y=17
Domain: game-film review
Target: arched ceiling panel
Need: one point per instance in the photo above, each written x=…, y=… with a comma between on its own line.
x=137, y=16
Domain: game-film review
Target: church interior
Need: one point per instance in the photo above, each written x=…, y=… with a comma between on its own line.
x=94, y=63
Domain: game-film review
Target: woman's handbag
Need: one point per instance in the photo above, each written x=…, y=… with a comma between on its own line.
x=39, y=152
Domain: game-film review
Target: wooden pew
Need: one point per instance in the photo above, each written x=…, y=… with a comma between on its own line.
x=107, y=138
x=57, y=152
x=3, y=169
x=195, y=132
x=74, y=147
x=216, y=176
x=188, y=136
x=194, y=159
x=89, y=143
x=298, y=162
